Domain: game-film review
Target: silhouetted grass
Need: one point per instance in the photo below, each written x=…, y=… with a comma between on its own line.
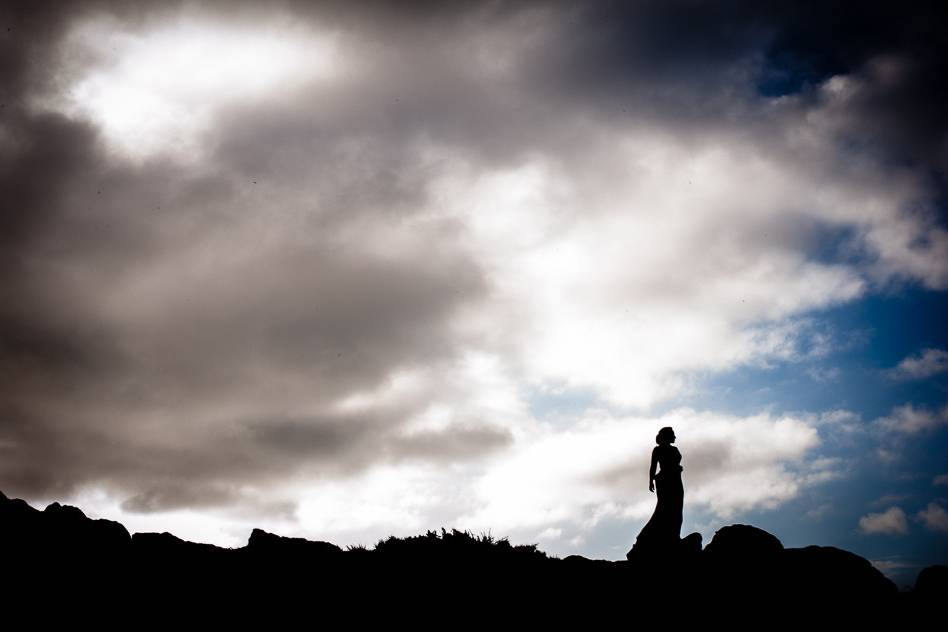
x=457, y=545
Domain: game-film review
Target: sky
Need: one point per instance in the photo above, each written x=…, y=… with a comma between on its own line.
x=351, y=270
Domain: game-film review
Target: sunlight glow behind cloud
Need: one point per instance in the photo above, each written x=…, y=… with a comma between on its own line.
x=157, y=91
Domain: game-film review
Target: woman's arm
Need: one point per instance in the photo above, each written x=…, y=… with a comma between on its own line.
x=651, y=470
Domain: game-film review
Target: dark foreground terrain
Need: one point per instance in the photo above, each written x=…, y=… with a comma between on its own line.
x=58, y=562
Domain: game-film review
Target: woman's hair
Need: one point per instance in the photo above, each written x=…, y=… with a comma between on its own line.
x=665, y=435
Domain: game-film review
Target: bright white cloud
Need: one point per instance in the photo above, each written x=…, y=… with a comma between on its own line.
x=157, y=91
x=934, y=517
x=629, y=292
x=929, y=362
x=599, y=468
x=892, y=521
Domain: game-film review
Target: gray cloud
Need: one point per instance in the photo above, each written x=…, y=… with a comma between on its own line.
x=892, y=521
x=181, y=327
x=934, y=517
x=925, y=364
x=101, y=387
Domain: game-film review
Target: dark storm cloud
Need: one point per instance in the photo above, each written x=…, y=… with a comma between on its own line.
x=697, y=65
x=897, y=50
x=78, y=380
x=44, y=155
x=149, y=310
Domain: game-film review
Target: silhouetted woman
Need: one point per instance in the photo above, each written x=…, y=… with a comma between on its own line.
x=663, y=529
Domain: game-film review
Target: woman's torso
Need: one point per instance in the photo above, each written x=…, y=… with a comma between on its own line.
x=669, y=460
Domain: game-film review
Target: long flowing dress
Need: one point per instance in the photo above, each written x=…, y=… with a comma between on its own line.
x=663, y=529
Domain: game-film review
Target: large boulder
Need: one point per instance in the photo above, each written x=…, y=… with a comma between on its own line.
x=743, y=542
x=932, y=582
x=832, y=572
x=741, y=559
x=690, y=544
x=280, y=548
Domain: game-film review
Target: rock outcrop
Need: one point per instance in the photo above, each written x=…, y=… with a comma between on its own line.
x=59, y=552
x=932, y=582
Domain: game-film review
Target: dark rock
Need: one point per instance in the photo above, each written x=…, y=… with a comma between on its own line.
x=932, y=581
x=60, y=551
x=743, y=542
x=65, y=513
x=263, y=543
x=687, y=546
x=578, y=562
x=742, y=559
x=577, y=559
x=167, y=546
x=16, y=517
x=830, y=571
x=95, y=535
x=21, y=534
x=691, y=544
x=60, y=533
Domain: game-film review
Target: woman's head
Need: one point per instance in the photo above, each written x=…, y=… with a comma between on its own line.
x=665, y=436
